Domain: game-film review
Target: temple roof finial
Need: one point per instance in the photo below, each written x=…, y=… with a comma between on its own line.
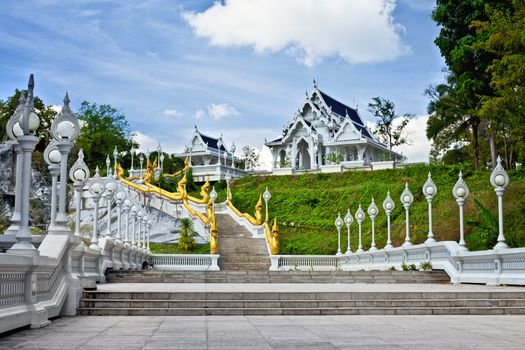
x=315, y=83
x=66, y=99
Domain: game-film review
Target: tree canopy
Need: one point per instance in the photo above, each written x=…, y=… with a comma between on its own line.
x=391, y=132
x=102, y=128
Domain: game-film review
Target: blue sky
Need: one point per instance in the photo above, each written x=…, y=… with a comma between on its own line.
x=237, y=67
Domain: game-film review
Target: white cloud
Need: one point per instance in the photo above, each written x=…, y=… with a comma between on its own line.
x=56, y=108
x=221, y=110
x=199, y=114
x=172, y=113
x=145, y=142
x=310, y=30
x=419, y=147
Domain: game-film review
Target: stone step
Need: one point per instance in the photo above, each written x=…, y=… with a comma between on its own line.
x=265, y=276
x=301, y=303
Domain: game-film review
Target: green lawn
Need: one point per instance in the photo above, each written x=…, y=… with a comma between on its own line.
x=171, y=248
x=306, y=206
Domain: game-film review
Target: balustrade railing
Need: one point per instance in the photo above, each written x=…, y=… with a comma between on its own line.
x=193, y=262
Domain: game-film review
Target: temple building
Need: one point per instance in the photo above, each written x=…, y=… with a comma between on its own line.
x=209, y=157
x=328, y=136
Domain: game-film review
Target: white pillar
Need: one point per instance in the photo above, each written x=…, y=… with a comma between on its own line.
x=15, y=218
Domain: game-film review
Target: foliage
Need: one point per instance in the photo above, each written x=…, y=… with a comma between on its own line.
x=249, y=158
x=186, y=233
x=172, y=248
x=385, y=112
x=335, y=158
x=306, y=205
x=482, y=43
x=486, y=235
x=425, y=266
x=103, y=128
x=46, y=114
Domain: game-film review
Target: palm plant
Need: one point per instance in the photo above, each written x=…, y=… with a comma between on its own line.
x=186, y=234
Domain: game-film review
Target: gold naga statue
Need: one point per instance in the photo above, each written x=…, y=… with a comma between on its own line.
x=205, y=194
x=214, y=238
x=184, y=169
x=181, y=186
x=120, y=171
x=274, y=243
x=149, y=174
x=258, y=211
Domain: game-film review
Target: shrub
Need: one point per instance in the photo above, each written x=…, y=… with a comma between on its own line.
x=425, y=266
x=404, y=266
x=186, y=234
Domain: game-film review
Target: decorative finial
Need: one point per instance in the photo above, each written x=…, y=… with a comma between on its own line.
x=315, y=83
x=66, y=99
x=31, y=83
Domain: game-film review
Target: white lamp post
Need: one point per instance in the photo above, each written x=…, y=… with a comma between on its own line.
x=52, y=157
x=25, y=136
x=190, y=148
x=141, y=165
x=144, y=229
x=360, y=216
x=111, y=187
x=338, y=225
x=133, y=152
x=120, y=196
x=65, y=130
x=232, y=150
x=213, y=197
x=133, y=213
x=429, y=190
x=96, y=188
x=348, y=221
x=126, y=208
x=13, y=130
x=228, y=178
x=108, y=166
x=150, y=223
x=79, y=173
x=388, y=206
x=219, y=145
x=372, y=212
x=499, y=180
x=406, y=199
x=461, y=193
x=115, y=159
x=159, y=151
x=267, y=195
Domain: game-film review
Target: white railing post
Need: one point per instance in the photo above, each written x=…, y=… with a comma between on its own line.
x=429, y=190
x=78, y=173
x=338, y=225
x=372, y=213
x=499, y=180
x=388, y=206
x=348, y=221
x=360, y=216
x=461, y=193
x=96, y=188
x=407, y=198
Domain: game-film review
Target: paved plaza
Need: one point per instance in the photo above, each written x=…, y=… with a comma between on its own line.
x=275, y=332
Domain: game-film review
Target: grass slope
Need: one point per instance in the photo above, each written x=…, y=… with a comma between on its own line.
x=306, y=206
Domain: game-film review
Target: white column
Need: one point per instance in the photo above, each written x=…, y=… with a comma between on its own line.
x=15, y=218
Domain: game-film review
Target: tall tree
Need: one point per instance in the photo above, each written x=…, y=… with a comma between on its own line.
x=467, y=65
x=388, y=129
x=504, y=36
x=249, y=158
x=102, y=128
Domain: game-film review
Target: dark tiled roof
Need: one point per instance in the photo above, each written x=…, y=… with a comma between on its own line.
x=343, y=110
x=212, y=142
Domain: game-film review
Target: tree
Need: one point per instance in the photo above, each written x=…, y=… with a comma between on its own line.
x=468, y=81
x=46, y=114
x=249, y=158
x=385, y=112
x=102, y=128
x=186, y=233
x=504, y=37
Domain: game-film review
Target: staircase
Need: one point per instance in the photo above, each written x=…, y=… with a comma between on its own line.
x=301, y=303
x=239, y=251
x=153, y=276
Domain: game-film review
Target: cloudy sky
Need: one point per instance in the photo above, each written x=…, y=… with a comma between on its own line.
x=237, y=67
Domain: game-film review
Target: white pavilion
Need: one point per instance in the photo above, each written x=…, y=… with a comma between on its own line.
x=209, y=158
x=328, y=136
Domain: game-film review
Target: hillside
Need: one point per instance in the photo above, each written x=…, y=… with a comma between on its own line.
x=306, y=207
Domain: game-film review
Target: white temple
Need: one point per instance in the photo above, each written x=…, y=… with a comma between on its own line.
x=209, y=158
x=328, y=136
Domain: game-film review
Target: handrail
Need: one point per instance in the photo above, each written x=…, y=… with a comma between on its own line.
x=272, y=237
x=257, y=221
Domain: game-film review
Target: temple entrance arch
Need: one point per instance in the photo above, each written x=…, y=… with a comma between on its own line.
x=302, y=161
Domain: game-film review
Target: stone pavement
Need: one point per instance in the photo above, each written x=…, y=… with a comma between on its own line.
x=275, y=332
